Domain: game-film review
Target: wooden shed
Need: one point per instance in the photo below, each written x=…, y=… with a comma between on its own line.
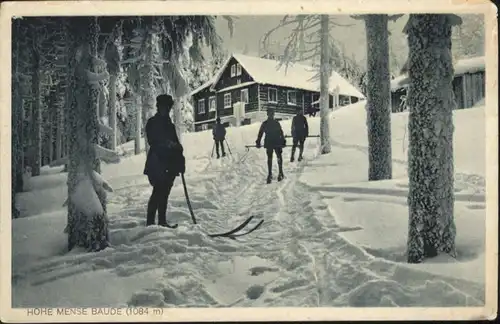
x=469, y=84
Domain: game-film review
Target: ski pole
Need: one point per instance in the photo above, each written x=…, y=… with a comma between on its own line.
x=288, y=136
x=228, y=147
x=187, y=198
x=212, y=155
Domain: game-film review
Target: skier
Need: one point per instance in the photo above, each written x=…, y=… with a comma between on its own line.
x=219, y=134
x=311, y=111
x=165, y=160
x=300, y=131
x=273, y=142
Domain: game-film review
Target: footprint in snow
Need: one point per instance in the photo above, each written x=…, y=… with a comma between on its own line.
x=255, y=292
x=255, y=271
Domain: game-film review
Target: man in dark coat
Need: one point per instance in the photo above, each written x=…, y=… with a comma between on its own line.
x=165, y=160
x=311, y=111
x=219, y=134
x=300, y=131
x=273, y=142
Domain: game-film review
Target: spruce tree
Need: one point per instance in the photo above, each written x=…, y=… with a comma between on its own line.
x=430, y=155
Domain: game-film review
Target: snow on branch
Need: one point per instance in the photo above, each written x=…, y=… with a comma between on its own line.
x=100, y=183
x=95, y=78
x=85, y=198
x=103, y=129
x=106, y=155
x=87, y=187
x=230, y=23
x=59, y=162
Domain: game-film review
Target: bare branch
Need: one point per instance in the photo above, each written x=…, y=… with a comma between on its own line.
x=333, y=21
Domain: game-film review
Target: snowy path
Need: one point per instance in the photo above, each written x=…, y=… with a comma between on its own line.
x=300, y=256
x=295, y=259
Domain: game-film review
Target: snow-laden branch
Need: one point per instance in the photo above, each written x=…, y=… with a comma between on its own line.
x=94, y=78
x=84, y=197
x=103, y=129
x=104, y=154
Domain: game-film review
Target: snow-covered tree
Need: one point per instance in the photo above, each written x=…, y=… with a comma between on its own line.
x=325, y=73
x=36, y=157
x=87, y=216
x=430, y=155
x=319, y=44
x=73, y=74
x=17, y=118
x=468, y=38
x=378, y=92
x=196, y=33
x=113, y=58
x=135, y=40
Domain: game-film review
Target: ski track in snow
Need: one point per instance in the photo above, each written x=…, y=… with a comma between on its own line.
x=298, y=242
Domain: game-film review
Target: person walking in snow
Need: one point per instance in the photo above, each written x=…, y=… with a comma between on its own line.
x=219, y=135
x=300, y=131
x=311, y=111
x=165, y=160
x=273, y=142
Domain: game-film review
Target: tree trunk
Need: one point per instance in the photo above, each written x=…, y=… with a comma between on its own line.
x=113, y=65
x=178, y=118
x=430, y=155
x=85, y=229
x=17, y=147
x=378, y=93
x=50, y=127
x=59, y=125
x=17, y=125
x=68, y=93
x=138, y=125
x=112, y=108
x=325, y=70
x=36, y=158
x=147, y=84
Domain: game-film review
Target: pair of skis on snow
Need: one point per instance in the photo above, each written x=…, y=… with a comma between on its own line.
x=232, y=234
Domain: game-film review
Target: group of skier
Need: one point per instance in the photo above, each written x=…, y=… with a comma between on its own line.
x=275, y=141
x=165, y=159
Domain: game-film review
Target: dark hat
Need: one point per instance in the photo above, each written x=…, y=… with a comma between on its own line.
x=217, y=119
x=164, y=101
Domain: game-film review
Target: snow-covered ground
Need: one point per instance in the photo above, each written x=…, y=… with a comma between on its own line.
x=329, y=238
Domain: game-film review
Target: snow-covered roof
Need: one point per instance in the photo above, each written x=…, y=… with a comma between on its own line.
x=470, y=65
x=236, y=86
x=203, y=86
x=467, y=65
x=298, y=76
x=399, y=82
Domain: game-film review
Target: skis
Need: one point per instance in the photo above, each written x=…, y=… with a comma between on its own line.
x=172, y=226
x=233, y=236
x=233, y=233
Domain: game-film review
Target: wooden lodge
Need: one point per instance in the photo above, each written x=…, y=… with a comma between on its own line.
x=261, y=84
